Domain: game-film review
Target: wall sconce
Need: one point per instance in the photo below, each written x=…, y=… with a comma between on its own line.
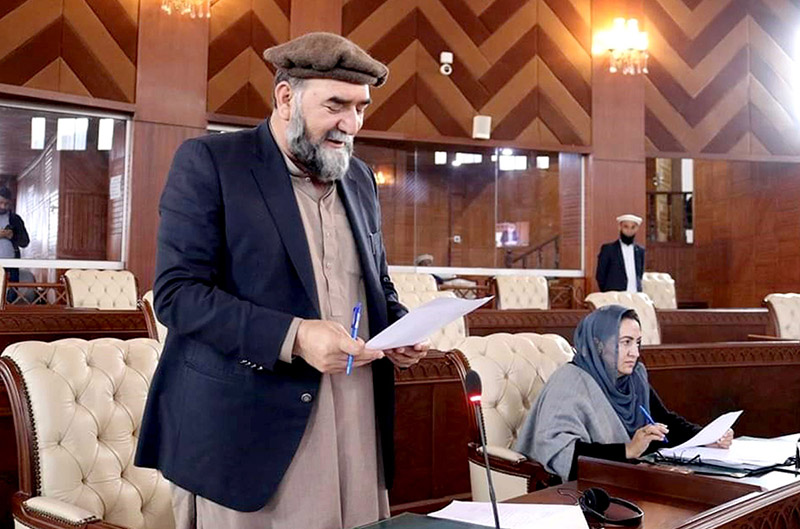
x=384, y=178
x=626, y=45
x=193, y=8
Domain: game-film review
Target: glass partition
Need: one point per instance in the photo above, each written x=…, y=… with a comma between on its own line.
x=66, y=174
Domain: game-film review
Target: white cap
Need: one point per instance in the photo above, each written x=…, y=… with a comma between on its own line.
x=630, y=218
x=424, y=257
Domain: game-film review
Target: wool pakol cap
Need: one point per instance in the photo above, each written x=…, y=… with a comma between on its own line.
x=328, y=56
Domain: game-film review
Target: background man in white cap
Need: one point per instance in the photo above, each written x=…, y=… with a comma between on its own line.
x=620, y=264
x=269, y=237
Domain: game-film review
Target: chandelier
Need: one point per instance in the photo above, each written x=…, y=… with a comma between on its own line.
x=626, y=46
x=193, y=8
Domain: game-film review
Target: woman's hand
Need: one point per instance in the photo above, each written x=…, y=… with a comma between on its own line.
x=724, y=441
x=643, y=437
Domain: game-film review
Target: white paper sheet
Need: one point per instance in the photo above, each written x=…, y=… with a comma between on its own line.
x=421, y=322
x=515, y=515
x=708, y=435
x=755, y=452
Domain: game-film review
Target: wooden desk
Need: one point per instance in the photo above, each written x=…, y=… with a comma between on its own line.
x=671, y=500
x=50, y=323
x=702, y=381
x=677, y=326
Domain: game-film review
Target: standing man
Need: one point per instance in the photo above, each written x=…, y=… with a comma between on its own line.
x=268, y=239
x=620, y=264
x=13, y=234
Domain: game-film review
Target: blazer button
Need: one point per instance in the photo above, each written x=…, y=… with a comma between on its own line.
x=306, y=398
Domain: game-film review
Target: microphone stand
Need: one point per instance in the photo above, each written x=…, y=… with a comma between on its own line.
x=492, y=497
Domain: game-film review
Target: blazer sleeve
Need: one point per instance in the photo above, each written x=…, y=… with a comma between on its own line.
x=191, y=249
x=602, y=268
x=20, y=238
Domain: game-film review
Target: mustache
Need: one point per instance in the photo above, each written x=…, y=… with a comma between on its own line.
x=337, y=135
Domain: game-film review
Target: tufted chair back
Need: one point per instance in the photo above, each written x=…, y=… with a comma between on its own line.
x=155, y=328
x=638, y=301
x=784, y=314
x=77, y=409
x=412, y=283
x=448, y=337
x=101, y=289
x=513, y=369
x=522, y=292
x=661, y=288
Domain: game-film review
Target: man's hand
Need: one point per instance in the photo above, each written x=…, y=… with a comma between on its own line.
x=6, y=234
x=724, y=441
x=408, y=356
x=324, y=345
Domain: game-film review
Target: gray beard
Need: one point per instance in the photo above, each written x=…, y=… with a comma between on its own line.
x=327, y=165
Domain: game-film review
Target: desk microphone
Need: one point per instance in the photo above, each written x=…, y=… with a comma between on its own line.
x=472, y=383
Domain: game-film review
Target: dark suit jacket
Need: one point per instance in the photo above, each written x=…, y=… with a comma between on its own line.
x=233, y=268
x=20, y=238
x=611, y=274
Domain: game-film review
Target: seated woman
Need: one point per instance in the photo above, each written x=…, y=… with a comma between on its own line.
x=593, y=405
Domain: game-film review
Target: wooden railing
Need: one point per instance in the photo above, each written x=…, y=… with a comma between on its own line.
x=513, y=256
x=34, y=295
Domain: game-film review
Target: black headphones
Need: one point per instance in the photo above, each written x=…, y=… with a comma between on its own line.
x=595, y=502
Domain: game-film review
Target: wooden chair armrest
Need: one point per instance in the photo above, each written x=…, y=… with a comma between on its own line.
x=766, y=338
x=41, y=516
x=538, y=477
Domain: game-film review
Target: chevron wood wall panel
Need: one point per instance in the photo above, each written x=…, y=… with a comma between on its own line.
x=526, y=63
x=239, y=80
x=84, y=47
x=720, y=77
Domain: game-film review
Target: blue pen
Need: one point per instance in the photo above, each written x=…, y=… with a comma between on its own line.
x=354, y=333
x=647, y=416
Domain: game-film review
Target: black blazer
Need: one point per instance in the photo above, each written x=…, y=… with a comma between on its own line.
x=20, y=238
x=232, y=270
x=611, y=274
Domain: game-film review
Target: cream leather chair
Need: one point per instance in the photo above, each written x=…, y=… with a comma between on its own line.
x=522, y=292
x=640, y=302
x=784, y=315
x=77, y=409
x=513, y=369
x=412, y=283
x=155, y=329
x=661, y=288
x=101, y=289
x=448, y=337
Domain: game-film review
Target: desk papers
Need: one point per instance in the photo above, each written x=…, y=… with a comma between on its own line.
x=515, y=515
x=708, y=435
x=421, y=322
x=750, y=452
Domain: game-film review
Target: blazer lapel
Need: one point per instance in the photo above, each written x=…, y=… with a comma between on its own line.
x=351, y=197
x=621, y=258
x=273, y=180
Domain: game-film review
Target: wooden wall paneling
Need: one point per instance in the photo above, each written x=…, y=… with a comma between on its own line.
x=78, y=47
x=315, y=15
x=170, y=107
x=747, y=231
x=153, y=148
x=720, y=77
x=525, y=63
x=83, y=204
x=171, y=76
x=678, y=260
x=570, y=167
x=239, y=79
